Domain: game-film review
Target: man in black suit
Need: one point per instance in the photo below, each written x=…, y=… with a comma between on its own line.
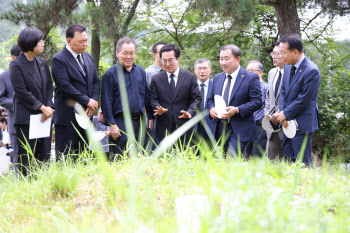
x=76, y=81
x=202, y=69
x=6, y=101
x=174, y=93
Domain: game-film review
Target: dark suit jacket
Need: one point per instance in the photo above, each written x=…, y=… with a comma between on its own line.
x=6, y=99
x=72, y=85
x=246, y=95
x=207, y=118
x=187, y=97
x=298, y=99
x=31, y=92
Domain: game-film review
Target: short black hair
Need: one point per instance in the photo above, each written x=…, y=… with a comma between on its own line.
x=28, y=38
x=294, y=42
x=170, y=47
x=236, y=52
x=3, y=119
x=15, y=50
x=154, y=48
x=74, y=28
x=276, y=43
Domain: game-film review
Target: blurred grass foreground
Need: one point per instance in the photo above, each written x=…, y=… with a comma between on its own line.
x=177, y=192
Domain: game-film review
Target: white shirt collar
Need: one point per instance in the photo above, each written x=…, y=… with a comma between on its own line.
x=279, y=69
x=300, y=61
x=71, y=51
x=234, y=74
x=176, y=73
x=206, y=82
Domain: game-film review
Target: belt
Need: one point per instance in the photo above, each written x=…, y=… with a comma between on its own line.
x=225, y=120
x=134, y=117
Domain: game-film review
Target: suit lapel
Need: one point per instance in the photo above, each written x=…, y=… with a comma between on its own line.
x=209, y=92
x=239, y=79
x=42, y=71
x=165, y=82
x=273, y=97
x=89, y=68
x=297, y=74
x=29, y=71
x=180, y=80
x=73, y=61
x=221, y=83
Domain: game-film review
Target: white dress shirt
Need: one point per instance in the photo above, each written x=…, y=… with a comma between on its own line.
x=176, y=73
x=234, y=76
x=206, y=87
x=75, y=55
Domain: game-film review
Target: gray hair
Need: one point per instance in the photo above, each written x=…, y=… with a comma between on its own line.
x=125, y=40
x=260, y=66
x=201, y=60
x=236, y=52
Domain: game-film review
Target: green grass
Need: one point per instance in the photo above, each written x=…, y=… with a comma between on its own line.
x=138, y=195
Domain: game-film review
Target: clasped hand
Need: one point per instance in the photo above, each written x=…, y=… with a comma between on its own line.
x=231, y=111
x=47, y=112
x=279, y=117
x=92, y=106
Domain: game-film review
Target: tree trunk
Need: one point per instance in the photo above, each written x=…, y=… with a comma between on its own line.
x=96, y=44
x=95, y=34
x=115, y=49
x=287, y=16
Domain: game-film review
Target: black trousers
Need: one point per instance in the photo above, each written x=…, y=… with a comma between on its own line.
x=68, y=140
x=40, y=148
x=231, y=143
x=119, y=146
x=253, y=148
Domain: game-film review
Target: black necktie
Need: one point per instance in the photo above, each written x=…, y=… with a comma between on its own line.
x=172, y=84
x=202, y=94
x=82, y=65
x=278, y=83
x=292, y=73
x=227, y=90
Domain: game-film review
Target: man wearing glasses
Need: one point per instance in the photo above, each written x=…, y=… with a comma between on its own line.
x=137, y=92
x=275, y=77
x=259, y=145
x=202, y=69
x=174, y=93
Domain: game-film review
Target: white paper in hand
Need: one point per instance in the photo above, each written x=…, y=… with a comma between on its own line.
x=291, y=129
x=82, y=121
x=220, y=105
x=38, y=129
x=99, y=135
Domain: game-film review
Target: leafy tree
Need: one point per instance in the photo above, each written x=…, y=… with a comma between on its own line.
x=44, y=15
x=288, y=20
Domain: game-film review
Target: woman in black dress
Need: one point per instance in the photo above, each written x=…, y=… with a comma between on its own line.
x=31, y=81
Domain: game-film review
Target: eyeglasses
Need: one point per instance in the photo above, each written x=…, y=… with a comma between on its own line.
x=171, y=60
x=202, y=68
x=254, y=70
x=41, y=42
x=128, y=54
x=275, y=54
